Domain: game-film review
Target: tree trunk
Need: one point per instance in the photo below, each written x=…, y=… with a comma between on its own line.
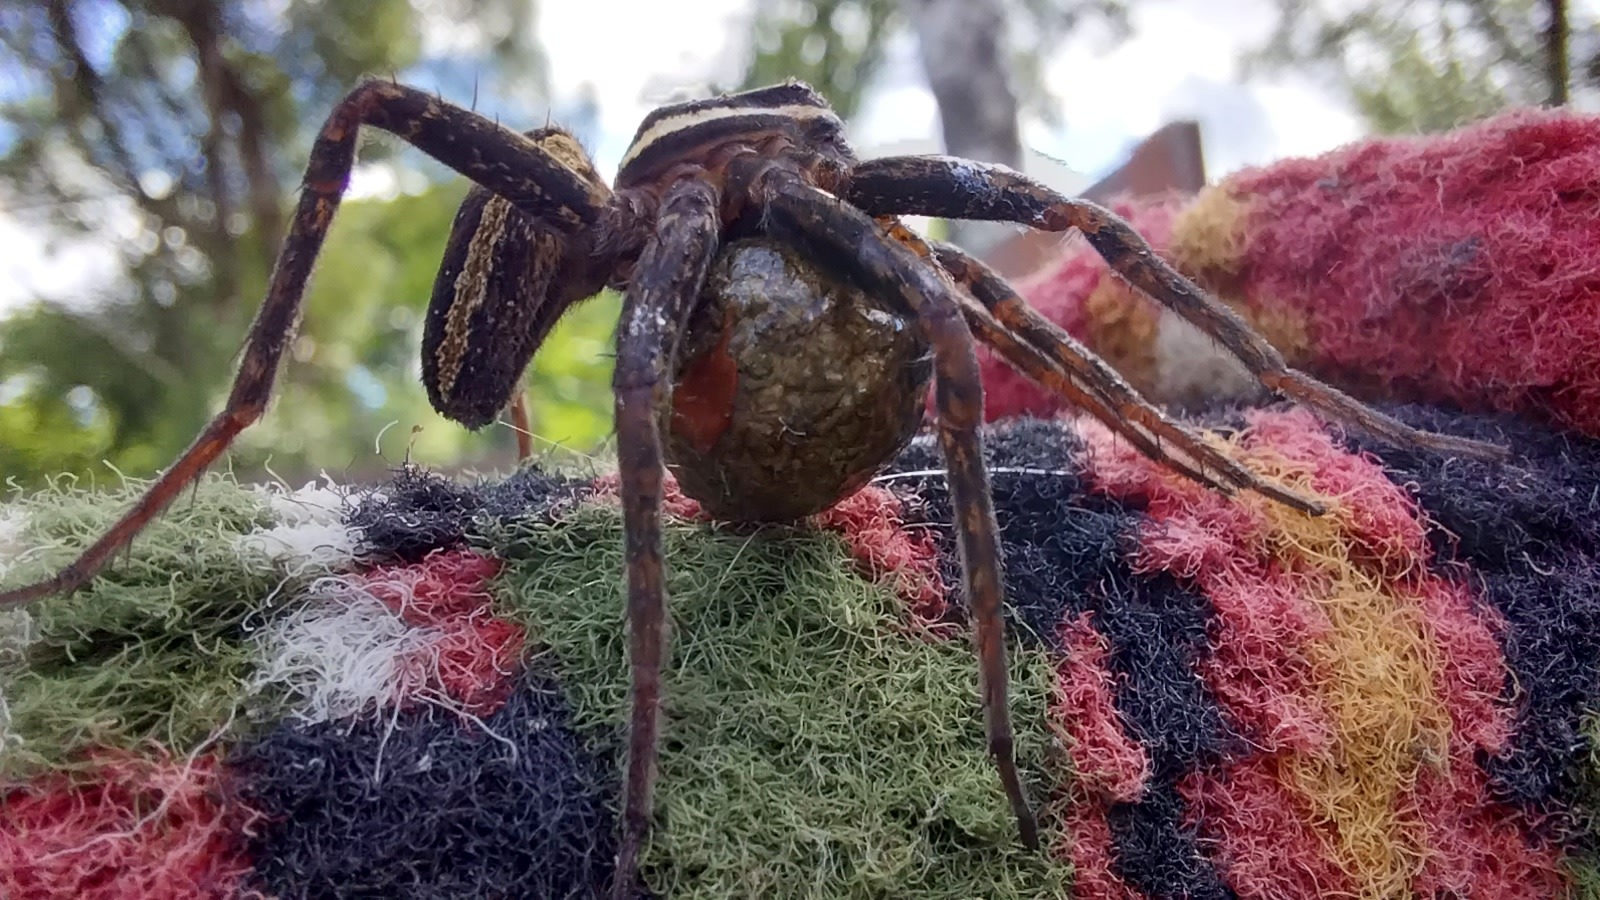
x=1555, y=36
x=964, y=57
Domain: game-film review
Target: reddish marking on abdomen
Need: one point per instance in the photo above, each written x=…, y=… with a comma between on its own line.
x=702, y=401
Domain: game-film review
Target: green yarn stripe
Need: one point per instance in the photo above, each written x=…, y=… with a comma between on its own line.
x=812, y=749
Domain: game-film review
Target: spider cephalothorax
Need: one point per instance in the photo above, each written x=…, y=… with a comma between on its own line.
x=542, y=231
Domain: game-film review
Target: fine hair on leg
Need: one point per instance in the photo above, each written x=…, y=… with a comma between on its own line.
x=962, y=189
x=655, y=310
x=851, y=239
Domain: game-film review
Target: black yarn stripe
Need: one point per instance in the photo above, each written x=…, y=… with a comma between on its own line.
x=419, y=512
x=1157, y=853
x=1067, y=551
x=454, y=813
x=1528, y=535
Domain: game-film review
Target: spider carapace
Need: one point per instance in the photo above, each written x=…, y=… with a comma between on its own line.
x=706, y=188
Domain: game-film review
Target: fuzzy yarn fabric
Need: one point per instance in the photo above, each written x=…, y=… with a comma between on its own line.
x=1459, y=269
x=418, y=689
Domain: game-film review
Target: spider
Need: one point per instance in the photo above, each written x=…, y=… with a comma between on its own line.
x=540, y=231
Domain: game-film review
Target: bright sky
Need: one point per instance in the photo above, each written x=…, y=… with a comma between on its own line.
x=1179, y=63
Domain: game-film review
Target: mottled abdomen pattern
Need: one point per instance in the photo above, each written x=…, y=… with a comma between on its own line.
x=794, y=388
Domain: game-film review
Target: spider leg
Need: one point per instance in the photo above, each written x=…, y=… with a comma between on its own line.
x=856, y=243
x=1130, y=414
x=1036, y=366
x=1026, y=359
x=660, y=295
x=497, y=158
x=522, y=425
x=962, y=189
x=1061, y=376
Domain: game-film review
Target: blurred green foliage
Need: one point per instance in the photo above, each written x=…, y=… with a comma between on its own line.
x=165, y=138
x=1418, y=66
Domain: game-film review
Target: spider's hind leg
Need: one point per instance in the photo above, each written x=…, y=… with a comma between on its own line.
x=852, y=240
x=962, y=189
x=655, y=310
x=1006, y=320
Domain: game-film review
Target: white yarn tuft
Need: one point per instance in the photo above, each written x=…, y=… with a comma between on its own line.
x=344, y=652
x=310, y=534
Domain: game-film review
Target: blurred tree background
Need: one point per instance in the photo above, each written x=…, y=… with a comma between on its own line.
x=1419, y=66
x=171, y=133
x=177, y=130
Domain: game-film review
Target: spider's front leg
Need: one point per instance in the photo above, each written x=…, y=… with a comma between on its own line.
x=529, y=177
x=853, y=241
x=667, y=279
x=955, y=188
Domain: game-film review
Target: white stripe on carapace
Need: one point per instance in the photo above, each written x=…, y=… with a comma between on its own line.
x=685, y=121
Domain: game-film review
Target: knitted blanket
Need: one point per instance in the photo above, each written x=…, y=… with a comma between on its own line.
x=418, y=688
x=1446, y=269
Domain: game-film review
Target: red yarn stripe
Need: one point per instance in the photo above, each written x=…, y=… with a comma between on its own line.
x=448, y=594
x=1478, y=848
x=1449, y=268
x=1260, y=834
x=870, y=522
x=1105, y=760
x=133, y=829
x=673, y=500
x=1088, y=844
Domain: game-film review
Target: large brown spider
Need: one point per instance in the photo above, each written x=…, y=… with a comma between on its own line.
x=540, y=232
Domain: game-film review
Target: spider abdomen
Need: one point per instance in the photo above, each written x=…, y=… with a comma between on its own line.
x=794, y=387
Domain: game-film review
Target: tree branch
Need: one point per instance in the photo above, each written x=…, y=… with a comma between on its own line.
x=227, y=94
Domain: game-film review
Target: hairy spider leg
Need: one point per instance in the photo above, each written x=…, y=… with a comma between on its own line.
x=522, y=425
x=853, y=240
x=1078, y=389
x=1036, y=366
x=1130, y=412
x=1050, y=356
x=655, y=311
x=962, y=189
x=501, y=160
